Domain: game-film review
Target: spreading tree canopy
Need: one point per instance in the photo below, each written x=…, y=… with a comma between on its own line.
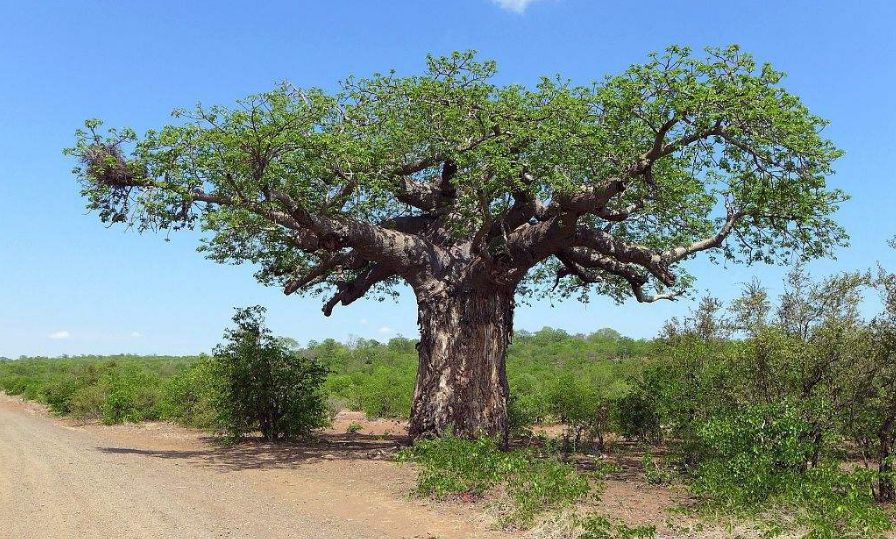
x=476, y=194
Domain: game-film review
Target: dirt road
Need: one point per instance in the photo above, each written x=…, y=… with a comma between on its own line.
x=58, y=479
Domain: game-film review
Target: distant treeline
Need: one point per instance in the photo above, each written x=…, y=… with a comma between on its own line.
x=364, y=374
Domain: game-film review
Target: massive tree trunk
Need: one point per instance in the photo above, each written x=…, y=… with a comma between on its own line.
x=461, y=378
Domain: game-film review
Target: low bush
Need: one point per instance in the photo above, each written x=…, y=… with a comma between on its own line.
x=189, y=396
x=112, y=389
x=637, y=417
x=755, y=463
x=527, y=484
x=750, y=456
x=58, y=394
x=132, y=395
x=87, y=402
x=601, y=527
x=264, y=385
x=387, y=392
x=654, y=472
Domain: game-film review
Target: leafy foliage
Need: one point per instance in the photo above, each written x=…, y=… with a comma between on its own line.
x=763, y=423
x=112, y=389
x=601, y=527
x=674, y=155
x=752, y=455
x=264, y=385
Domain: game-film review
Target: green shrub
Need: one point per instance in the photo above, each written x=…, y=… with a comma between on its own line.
x=188, y=397
x=113, y=389
x=833, y=504
x=582, y=398
x=118, y=407
x=16, y=385
x=344, y=387
x=264, y=385
x=755, y=463
x=749, y=456
x=530, y=393
x=58, y=395
x=131, y=395
x=454, y=465
x=601, y=527
x=638, y=417
x=540, y=485
x=654, y=473
x=87, y=402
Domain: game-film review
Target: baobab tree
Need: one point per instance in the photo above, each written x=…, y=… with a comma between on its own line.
x=476, y=194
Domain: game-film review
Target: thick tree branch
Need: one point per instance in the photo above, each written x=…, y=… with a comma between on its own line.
x=578, y=261
x=590, y=200
x=621, y=215
x=353, y=290
x=423, y=196
x=398, y=249
x=409, y=224
x=525, y=207
x=340, y=261
x=607, y=244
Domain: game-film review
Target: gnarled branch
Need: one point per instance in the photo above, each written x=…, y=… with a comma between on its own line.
x=578, y=262
x=608, y=245
x=353, y=290
x=341, y=261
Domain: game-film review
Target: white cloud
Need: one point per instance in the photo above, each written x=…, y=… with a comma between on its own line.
x=517, y=6
x=136, y=334
x=386, y=329
x=60, y=335
x=363, y=321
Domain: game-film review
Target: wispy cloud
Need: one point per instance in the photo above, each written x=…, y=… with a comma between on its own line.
x=135, y=334
x=363, y=321
x=60, y=335
x=516, y=6
x=385, y=330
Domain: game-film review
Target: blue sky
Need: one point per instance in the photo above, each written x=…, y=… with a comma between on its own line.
x=68, y=285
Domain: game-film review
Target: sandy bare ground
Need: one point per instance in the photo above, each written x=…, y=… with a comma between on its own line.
x=59, y=479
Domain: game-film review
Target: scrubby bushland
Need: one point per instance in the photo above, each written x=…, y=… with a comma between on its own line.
x=767, y=406
x=365, y=375
x=190, y=397
x=264, y=385
x=378, y=378
x=757, y=462
x=112, y=389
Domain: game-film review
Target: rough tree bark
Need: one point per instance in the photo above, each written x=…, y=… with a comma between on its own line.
x=461, y=377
